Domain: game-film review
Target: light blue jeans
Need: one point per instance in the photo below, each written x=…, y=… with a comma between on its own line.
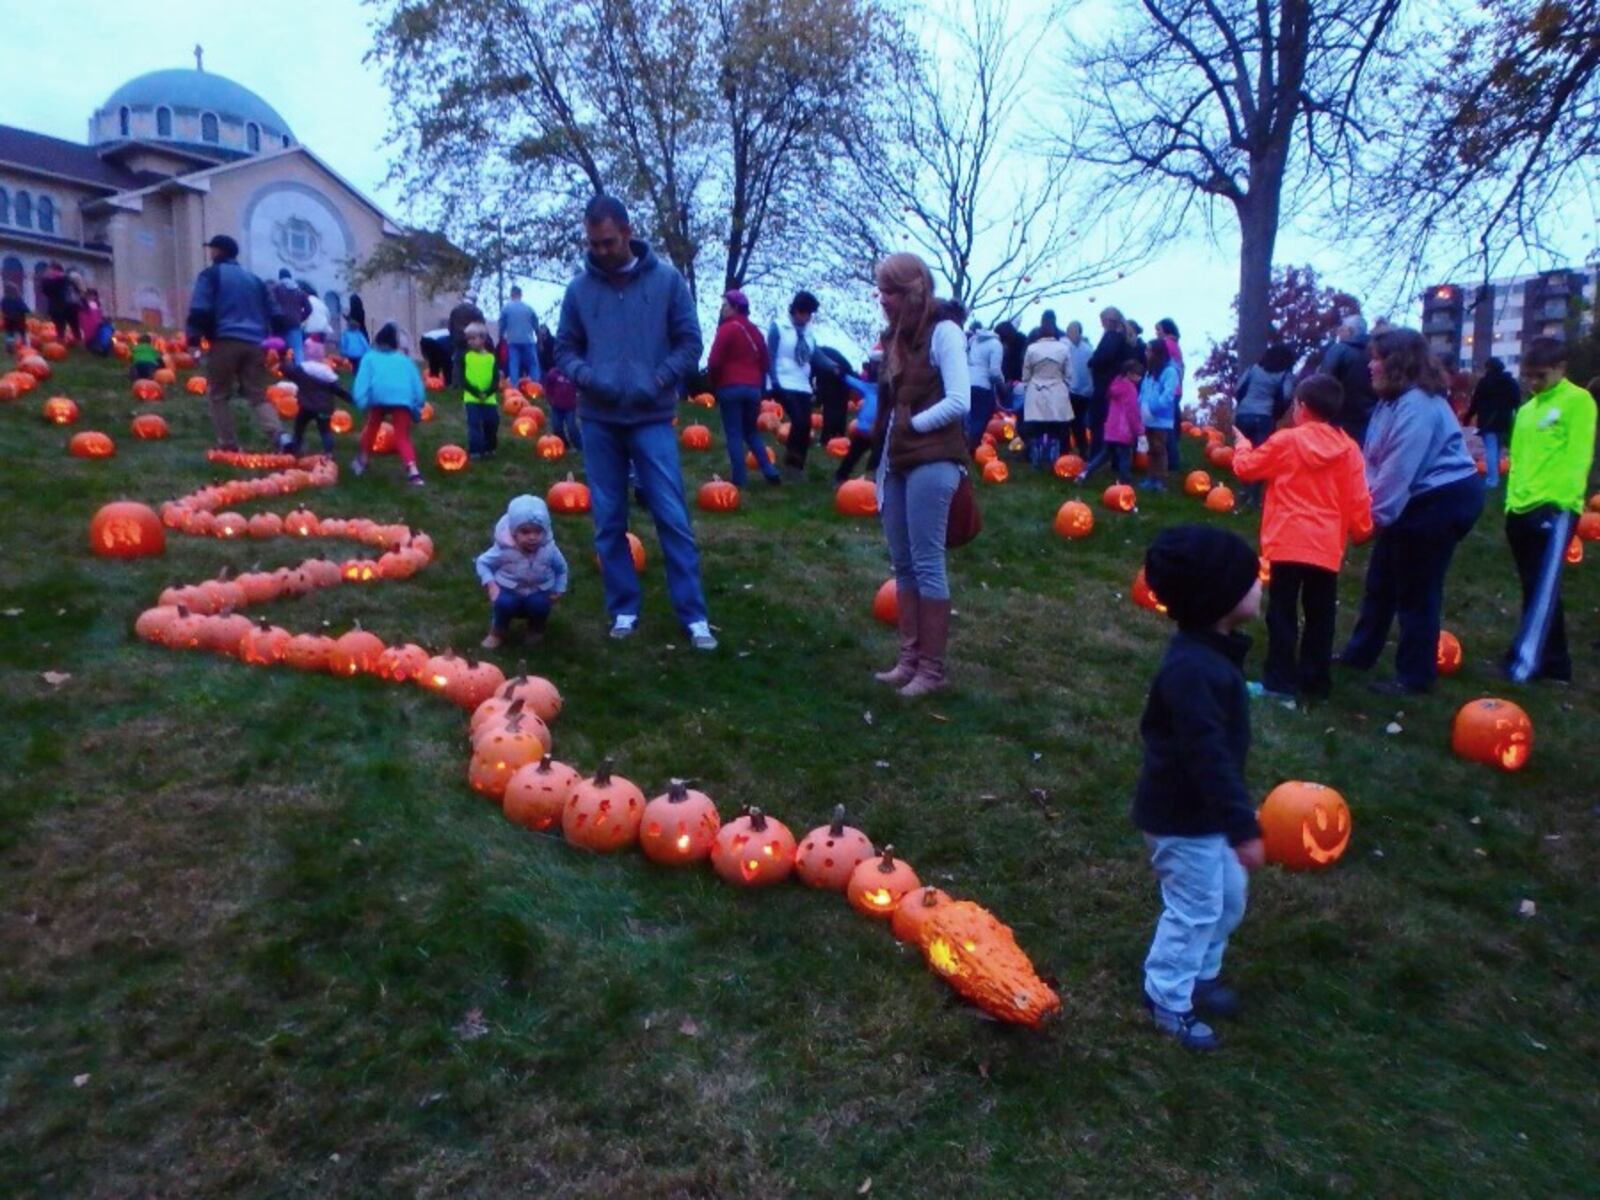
x=914, y=509
x=521, y=362
x=1491, y=460
x=652, y=449
x=1203, y=893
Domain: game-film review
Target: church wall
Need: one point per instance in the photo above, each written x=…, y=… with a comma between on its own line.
x=65, y=197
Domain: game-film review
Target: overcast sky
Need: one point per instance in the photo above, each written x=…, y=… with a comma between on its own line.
x=304, y=58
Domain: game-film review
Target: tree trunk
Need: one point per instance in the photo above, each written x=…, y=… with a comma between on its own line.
x=1258, y=237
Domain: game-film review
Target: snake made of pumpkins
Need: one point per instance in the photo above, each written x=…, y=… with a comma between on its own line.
x=511, y=761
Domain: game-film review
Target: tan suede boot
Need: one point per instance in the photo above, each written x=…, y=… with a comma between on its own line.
x=902, y=673
x=933, y=634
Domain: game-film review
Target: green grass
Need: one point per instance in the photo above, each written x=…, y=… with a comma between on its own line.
x=255, y=908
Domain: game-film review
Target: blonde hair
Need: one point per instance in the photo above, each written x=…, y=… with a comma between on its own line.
x=476, y=329
x=908, y=276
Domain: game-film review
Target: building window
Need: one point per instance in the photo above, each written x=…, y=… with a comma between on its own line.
x=208, y=127
x=24, y=213
x=252, y=137
x=47, y=215
x=163, y=121
x=286, y=141
x=5, y=207
x=124, y=120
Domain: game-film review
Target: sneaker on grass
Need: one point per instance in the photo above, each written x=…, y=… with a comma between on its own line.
x=623, y=626
x=1183, y=1027
x=700, y=634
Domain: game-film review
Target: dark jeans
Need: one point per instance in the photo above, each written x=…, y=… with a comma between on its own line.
x=1405, y=577
x=483, y=428
x=1078, y=427
x=564, y=424
x=509, y=605
x=797, y=407
x=834, y=397
x=1538, y=541
x=1258, y=429
x=740, y=408
x=1120, y=455
x=860, y=443
x=979, y=415
x=1099, y=406
x=324, y=428
x=144, y=370
x=1300, y=660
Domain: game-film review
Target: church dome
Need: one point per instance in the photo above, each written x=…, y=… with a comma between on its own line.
x=194, y=107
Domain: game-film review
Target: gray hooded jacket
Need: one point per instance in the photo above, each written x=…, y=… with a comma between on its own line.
x=545, y=570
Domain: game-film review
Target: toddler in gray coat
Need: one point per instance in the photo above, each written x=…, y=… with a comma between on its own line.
x=524, y=572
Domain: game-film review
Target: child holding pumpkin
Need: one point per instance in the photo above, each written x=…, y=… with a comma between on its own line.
x=523, y=572
x=1317, y=499
x=1191, y=803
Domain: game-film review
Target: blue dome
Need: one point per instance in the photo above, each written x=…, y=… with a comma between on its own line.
x=181, y=87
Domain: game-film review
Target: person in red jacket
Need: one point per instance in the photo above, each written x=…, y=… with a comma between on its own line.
x=738, y=369
x=1316, y=499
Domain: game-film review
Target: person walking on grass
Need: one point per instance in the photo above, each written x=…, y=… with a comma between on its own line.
x=1494, y=403
x=236, y=312
x=1120, y=430
x=1552, y=451
x=737, y=368
x=388, y=388
x=924, y=393
x=1192, y=803
x=466, y=313
x=629, y=338
x=1316, y=501
x=519, y=330
x=1426, y=497
x=790, y=345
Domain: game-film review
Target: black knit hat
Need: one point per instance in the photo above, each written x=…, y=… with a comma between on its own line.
x=388, y=337
x=1199, y=573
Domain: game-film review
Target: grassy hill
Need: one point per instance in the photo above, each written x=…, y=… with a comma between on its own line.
x=258, y=937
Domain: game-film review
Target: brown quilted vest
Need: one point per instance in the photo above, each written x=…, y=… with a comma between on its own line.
x=914, y=387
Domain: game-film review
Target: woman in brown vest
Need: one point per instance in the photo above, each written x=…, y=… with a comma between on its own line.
x=924, y=396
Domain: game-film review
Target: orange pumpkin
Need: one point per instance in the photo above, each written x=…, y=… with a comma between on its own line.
x=1575, y=550
x=550, y=447
x=512, y=403
x=1197, y=483
x=753, y=850
x=876, y=885
x=531, y=388
x=568, y=497
x=308, y=652
x=703, y=400
x=502, y=753
x=1074, y=520
x=985, y=454
x=266, y=525
x=151, y=625
x=603, y=813
x=125, y=529
x=53, y=351
x=886, y=603
x=1496, y=732
x=1069, y=466
x=149, y=427
x=976, y=954
x=537, y=793
x=1219, y=455
x=915, y=909
x=60, y=410
x=165, y=376
x=538, y=695
x=196, y=385
x=401, y=664
x=1588, y=527
x=830, y=853
x=996, y=472
x=427, y=410
x=341, y=421
x=355, y=653
x=838, y=447
x=91, y=444
x=440, y=671
x=472, y=686
x=1220, y=499
x=1119, y=497
x=679, y=826
x=148, y=390
x=856, y=498
x=433, y=383
x=1304, y=826
x=695, y=437
x=718, y=495
x=451, y=458
x=1448, y=657
x=1143, y=596
x=526, y=425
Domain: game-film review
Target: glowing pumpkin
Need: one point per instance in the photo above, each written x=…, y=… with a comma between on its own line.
x=1119, y=497
x=147, y=390
x=149, y=427
x=838, y=447
x=1069, y=466
x=196, y=385
x=877, y=885
x=1197, y=484
x=679, y=827
x=341, y=421
x=1448, y=657
x=504, y=752
x=550, y=447
x=401, y=664
x=996, y=472
x=568, y=497
x=91, y=444
x=1496, y=732
x=1304, y=826
x=537, y=793
x=1074, y=520
x=604, y=812
x=1143, y=596
x=355, y=653
x=1220, y=499
x=753, y=850
x=60, y=410
x=695, y=437
x=125, y=529
x=718, y=495
x=985, y=454
x=451, y=458
x=829, y=854
x=976, y=954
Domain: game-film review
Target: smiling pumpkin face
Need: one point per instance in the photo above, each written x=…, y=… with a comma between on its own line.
x=1305, y=826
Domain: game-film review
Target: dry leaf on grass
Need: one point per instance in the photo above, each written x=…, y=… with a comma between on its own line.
x=472, y=1026
x=55, y=678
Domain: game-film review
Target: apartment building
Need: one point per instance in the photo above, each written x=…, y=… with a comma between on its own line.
x=1468, y=324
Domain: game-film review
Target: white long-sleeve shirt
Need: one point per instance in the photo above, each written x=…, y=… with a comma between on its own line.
x=947, y=350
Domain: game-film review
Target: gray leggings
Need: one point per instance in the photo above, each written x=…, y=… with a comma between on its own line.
x=915, y=510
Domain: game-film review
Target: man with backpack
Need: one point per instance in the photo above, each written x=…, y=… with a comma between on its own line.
x=236, y=312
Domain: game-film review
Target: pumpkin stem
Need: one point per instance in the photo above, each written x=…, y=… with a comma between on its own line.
x=886, y=865
x=677, y=791
x=602, y=773
x=758, y=820
x=837, y=828
x=544, y=765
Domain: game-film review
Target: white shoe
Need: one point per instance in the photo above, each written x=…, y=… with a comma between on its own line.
x=700, y=634
x=623, y=627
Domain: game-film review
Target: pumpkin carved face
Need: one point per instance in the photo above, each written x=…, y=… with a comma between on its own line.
x=679, y=827
x=718, y=495
x=355, y=653
x=149, y=427
x=568, y=497
x=1304, y=826
x=1197, y=483
x=603, y=813
x=1496, y=732
x=996, y=472
x=1119, y=497
x=401, y=664
x=695, y=437
x=753, y=850
x=857, y=498
x=147, y=390
x=60, y=410
x=829, y=853
x=877, y=885
x=525, y=426
x=124, y=529
x=1448, y=657
x=451, y=458
x=537, y=793
x=1069, y=466
x=341, y=421
x=196, y=385
x=1141, y=594
x=91, y=444
x=550, y=447
x=1074, y=520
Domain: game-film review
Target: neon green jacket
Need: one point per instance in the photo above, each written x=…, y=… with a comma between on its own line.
x=1552, y=448
x=479, y=372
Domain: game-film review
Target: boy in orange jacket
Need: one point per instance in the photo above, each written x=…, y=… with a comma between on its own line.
x=1316, y=499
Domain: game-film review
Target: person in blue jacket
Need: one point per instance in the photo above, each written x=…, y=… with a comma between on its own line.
x=235, y=312
x=629, y=338
x=1158, y=409
x=388, y=388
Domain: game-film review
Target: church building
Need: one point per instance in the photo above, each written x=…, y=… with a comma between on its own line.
x=174, y=157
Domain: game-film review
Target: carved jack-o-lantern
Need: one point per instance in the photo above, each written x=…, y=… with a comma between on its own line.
x=451, y=458
x=1304, y=826
x=1448, y=657
x=60, y=410
x=996, y=472
x=537, y=793
x=196, y=385
x=1197, y=483
x=695, y=437
x=679, y=827
x=877, y=884
x=1143, y=596
x=341, y=421
x=985, y=454
x=1069, y=466
x=753, y=850
x=603, y=813
x=718, y=495
x=1074, y=520
x=1119, y=497
x=504, y=752
x=355, y=653
x=829, y=853
x=1491, y=731
x=91, y=443
x=149, y=427
x=147, y=390
x=568, y=496
x=125, y=529
x=550, y=447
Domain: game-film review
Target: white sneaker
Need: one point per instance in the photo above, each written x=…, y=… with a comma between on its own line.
x=700, y=634
x=623, y=627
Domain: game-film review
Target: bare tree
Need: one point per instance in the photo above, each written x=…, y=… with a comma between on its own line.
x=1193, y=102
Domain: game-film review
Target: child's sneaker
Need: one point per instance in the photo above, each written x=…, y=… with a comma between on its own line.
x=1189, y=1033
x=1213, y=998
x=491, y=641
x=1260, y=691
x=415, y=479
x=700, y=634
x=358, y=466
x=623, y=627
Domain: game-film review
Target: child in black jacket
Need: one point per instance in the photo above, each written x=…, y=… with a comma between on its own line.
x=318, y=386
x=1192, y=804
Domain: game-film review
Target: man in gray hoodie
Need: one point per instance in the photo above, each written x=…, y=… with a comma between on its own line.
x=629, y=338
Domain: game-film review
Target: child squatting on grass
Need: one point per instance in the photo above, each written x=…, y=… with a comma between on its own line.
x=524, y=571
x=1191, y=803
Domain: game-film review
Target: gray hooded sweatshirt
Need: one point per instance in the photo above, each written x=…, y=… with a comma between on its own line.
x=545, y=570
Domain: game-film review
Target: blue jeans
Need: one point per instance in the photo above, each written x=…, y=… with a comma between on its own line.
x=1203, y=894
x=510, y=605
x=740, y=407
x=521, y=362
x=564, y=424
x=914, y=509
x=483, y=428
x=1405, y=578
x=295, y=340
x=1119, y=454
x=652, y=451
x=1491, y=460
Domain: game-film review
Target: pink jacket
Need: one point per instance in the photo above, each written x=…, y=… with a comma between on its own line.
x=1122, y=412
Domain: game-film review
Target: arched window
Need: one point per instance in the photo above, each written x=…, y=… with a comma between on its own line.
x=47, y=215
x=5, y=207
x=286, y=141
x=24, y=211
x=124, y=120
x=208, y=127
x=163, y=121
x=252, y=137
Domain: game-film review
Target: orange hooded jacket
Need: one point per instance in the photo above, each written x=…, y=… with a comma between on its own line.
x=1316, y=492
